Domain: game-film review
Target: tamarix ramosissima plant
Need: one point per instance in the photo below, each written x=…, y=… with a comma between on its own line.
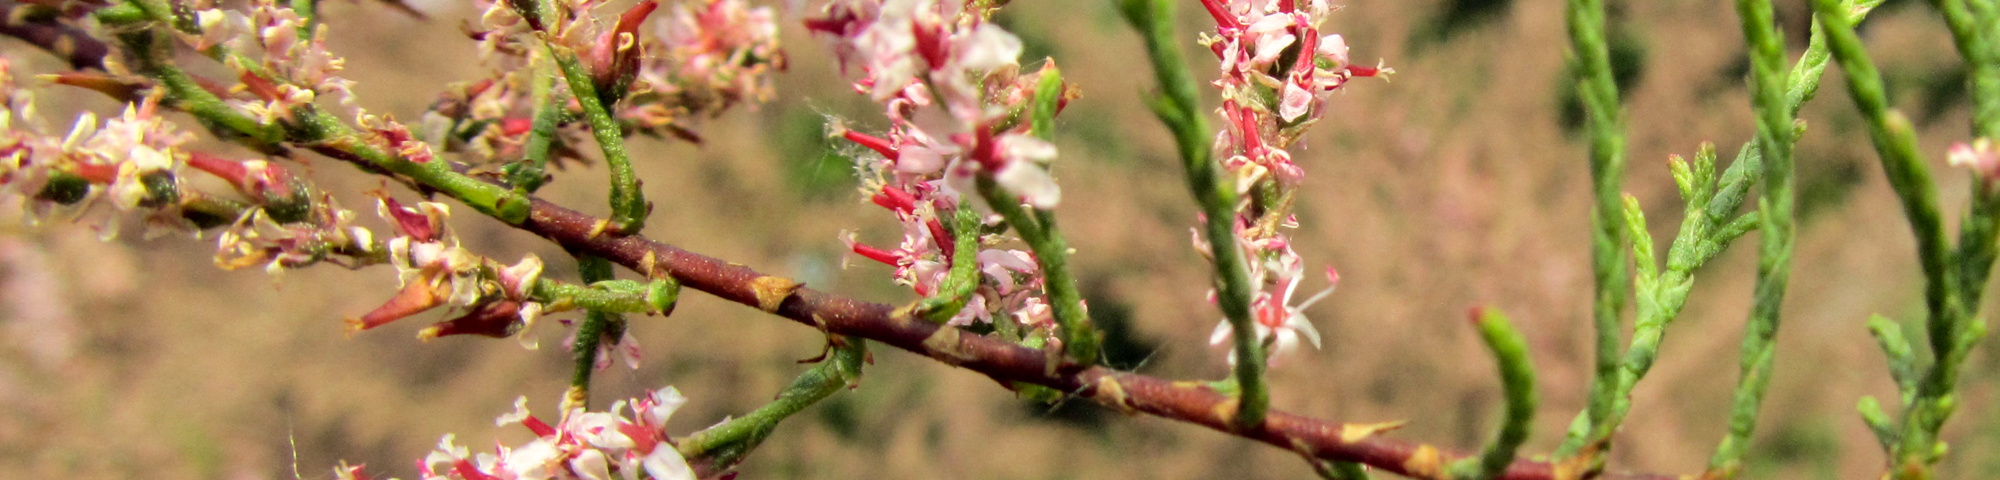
x=966, y=165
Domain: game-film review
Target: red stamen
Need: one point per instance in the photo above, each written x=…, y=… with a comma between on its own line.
x=478, y=88
x=466, y=469
x=115, y=88
x=1309, y=40
x=832, y=26
x=264, y=184
x=1253, y=139
x=643, y=439
x=878, y=144
x=895, y=199
x=230, y=170
x=944, y=240
x=983, y=150
x=1223, y=19
x=1272, y=312
x=875, y=254
x=536, y=425
x=1360, y=71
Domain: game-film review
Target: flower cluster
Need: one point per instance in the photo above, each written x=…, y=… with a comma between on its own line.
x=283, y=67
x=702, y=58
x=1010, y=281
x=434, y=271
x=491, y=299
x=282, y=63
x=582, y=445
x=291, y=228
x=128, y=164
x=132, y=164
x=1277, y=70
x=710, y=55
x=944, y=62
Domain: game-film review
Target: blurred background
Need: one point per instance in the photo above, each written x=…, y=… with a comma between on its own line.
x=1461, y=182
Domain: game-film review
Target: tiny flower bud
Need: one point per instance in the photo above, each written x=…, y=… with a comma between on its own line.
x=499, y=319
x=614, y=57
x=413, y=299
x=1980, y=156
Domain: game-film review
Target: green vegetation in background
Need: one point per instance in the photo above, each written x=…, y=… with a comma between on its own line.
x=1628, y=66
x=1808, y=445
x=815, y=168
x=1827, y=183
x=1456, y=17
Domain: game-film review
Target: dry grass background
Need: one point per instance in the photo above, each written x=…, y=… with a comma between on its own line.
x=1449, y=187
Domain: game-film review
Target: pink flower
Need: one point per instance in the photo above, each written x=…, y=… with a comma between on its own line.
x=1279, y=324
x=1024, y=170
x=1980, y=156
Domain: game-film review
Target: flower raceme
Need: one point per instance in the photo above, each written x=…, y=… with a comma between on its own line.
x=1276, y=69
x=658, y=68
x=280, y=62
x=128, y=164
x=949, y=82
x=435, y=271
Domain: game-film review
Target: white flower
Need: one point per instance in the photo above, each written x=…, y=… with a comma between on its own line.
x=1278, y=323
x=665, y=463
x=1024, y=172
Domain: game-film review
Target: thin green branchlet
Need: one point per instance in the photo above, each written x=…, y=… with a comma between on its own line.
x=726, y=443
x=1590, y=61
x=1517, y=380
x=1178, y=106
x=1954, y=277
x=1276, y=69
x=1709, y=224
x=1776, y=134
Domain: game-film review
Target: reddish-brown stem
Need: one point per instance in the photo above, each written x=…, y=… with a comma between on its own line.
x=1132, y=393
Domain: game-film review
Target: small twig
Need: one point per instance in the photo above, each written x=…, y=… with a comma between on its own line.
x=1517, y=380
x=1179, y=107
